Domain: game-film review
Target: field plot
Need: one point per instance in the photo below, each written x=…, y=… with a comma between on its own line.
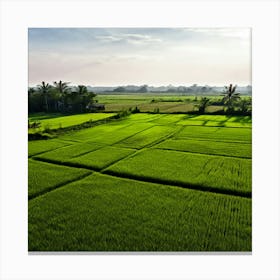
x=216, y=133
x=209, y=147
x=145, y=182
x=67, y=121
x=63, y=154
x=143, y=117
x=163, y=103
x=147, y=137
x=43, y=177
x=219, y=121
x=101, y=158
x=168, y=119
x=220, y=174
x=109, y=134
x=41, y=146
x=103, y=213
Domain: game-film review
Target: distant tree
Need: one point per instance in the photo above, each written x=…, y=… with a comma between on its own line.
x=82, y=100
x=245, y=105
x=44, y=89
x=143, y=89
x=82, y=89
x=62, y=89
x=202, y=105
x=31, y=90
x=230, y=97
x=119, y=89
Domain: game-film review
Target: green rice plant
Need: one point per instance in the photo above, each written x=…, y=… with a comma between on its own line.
x=216, y=133
x=180, y=108
x=237, y=124
x=101, y=158
x=205, y=172
x=64, y=154
x=109, y=134
x=90, y=134
x=103, y=213
x=41, y=146
x=162, y=106
x=191, y=122
x=243, y=119
x=44, y=177
x=168, y=119
x=216, y=118
x=147, y=137
x=242, y=150
x=142, y=117
x=67, y=121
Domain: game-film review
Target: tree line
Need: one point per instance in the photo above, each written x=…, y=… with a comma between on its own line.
x=231, y=100
x=61, y=98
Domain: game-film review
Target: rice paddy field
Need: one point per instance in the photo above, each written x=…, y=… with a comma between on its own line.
x=156, y=102
x=55, y=121
x=145, y=182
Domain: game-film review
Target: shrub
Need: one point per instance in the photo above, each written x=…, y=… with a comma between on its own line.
x=135, y=110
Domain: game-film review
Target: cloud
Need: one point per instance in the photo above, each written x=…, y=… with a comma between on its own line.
x=103, y=56
x=238, y=33
x=129, y=38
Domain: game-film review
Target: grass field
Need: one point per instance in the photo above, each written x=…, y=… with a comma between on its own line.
x=146, y=182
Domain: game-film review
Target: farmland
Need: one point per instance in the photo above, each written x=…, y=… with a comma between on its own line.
x=164, y=103
x=143, y=182
x=55, y=121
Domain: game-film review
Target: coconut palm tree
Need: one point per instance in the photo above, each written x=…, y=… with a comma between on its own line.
x=44, y=88
x=82, y=89
x=229, y=97
x=62, y=88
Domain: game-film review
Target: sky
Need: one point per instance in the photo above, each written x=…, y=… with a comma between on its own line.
x=137, y=56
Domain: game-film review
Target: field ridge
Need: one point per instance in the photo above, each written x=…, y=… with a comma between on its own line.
x=216, y=155
x=149, y=179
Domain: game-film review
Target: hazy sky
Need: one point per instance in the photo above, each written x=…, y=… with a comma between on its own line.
x=153, y=56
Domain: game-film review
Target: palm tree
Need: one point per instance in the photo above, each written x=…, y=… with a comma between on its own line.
x=230, y=96
x=203, y=103
x=44, y=89
x=82, y=89
x=62, y=89
x=31, y=90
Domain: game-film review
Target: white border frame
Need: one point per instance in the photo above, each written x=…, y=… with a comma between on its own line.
x=262, y=16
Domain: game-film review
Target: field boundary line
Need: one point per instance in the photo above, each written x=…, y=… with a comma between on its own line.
x=82, y=154
x=105, y=171
x=50, y=189
x=133, y=134
x=66, y=163
x=80, y=165
x=213, y=139
x=117, y=160
x=164, y=138
x=179, y=184
x=219, y=155
x=218, y=126
x=141, y=149
x=51, y=150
